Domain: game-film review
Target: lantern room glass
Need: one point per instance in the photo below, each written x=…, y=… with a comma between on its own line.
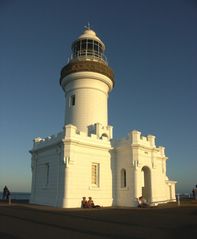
x=88, y=48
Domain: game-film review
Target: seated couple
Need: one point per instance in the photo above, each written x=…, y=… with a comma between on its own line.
x=88, y=204
x=142, y=202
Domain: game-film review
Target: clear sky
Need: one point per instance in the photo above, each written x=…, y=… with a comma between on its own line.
x=150, y=44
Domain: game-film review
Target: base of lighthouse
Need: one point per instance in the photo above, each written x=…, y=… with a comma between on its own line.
x=74, y=164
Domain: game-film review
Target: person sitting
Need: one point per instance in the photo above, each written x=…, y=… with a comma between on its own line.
x=142, y=202
x=91, y=203
x=84, y=203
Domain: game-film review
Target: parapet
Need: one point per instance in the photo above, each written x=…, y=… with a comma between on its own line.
x=104, y=131
x=94, y=131
x=101, y=137
x=137, y=138
x=71, y=133
x=48, y=141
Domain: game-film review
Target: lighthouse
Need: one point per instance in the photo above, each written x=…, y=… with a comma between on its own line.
x=87, y=81
x=84, y=159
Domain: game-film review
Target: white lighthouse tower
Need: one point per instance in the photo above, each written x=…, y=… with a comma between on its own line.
x=84, y=160
x=87, y=81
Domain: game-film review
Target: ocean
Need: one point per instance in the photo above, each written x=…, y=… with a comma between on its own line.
x=18, y=195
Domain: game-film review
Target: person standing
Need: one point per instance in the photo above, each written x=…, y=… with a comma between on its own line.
x=6, y=193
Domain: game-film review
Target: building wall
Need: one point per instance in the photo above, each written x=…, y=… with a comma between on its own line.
x=47, y=170
x=79, y=175
x=138, y=154
x=125, y=191
x=83, y=151
x=62, y=170
x=45, y=173
x=70, y=169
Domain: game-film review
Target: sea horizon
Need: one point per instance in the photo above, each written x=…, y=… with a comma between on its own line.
x=18, y=195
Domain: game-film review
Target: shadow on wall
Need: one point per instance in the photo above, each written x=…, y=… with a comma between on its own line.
x=114, y=179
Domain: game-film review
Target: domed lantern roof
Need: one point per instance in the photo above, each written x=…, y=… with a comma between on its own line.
x=90, y=34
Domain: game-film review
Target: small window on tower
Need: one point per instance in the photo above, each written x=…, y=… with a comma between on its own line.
x=72, y=100
x=123, y=175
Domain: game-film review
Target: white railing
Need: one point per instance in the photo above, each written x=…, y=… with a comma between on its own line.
x=89, y=55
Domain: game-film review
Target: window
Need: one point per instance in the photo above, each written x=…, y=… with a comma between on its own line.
x=123, y=178
x=83, y=45
x=72, y=100
x=89, y=48
x=96, y=47
x=47, y=181
x=46, y=175
x=95, y=174
x=90, y=45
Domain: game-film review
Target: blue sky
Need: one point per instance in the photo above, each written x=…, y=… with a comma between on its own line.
x=150, y=45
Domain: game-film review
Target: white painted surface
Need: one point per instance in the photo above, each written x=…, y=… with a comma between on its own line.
x=91, y=99
x=70, y=161
x=61, y=164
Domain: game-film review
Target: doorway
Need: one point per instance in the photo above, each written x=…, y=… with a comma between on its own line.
x=146, y=187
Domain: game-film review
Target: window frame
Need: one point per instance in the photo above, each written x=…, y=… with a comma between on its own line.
x=95, y=175
x=72, y=100
x=123, y=178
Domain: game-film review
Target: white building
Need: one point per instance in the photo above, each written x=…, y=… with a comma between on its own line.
x=84, y=159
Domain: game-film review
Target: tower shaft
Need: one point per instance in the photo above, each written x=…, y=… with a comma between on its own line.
x=87, y=81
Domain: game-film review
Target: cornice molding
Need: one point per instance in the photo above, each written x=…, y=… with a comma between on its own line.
x=93, y=66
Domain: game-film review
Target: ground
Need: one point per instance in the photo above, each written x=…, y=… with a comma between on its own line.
x=22, y=220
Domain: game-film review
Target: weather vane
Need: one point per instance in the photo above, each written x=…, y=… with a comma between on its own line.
x=88, y=26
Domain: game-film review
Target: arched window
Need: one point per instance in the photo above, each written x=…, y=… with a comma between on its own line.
x=123, y=178
x=104, y=135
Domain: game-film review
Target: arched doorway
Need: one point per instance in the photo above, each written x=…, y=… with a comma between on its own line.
x=146, y=186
